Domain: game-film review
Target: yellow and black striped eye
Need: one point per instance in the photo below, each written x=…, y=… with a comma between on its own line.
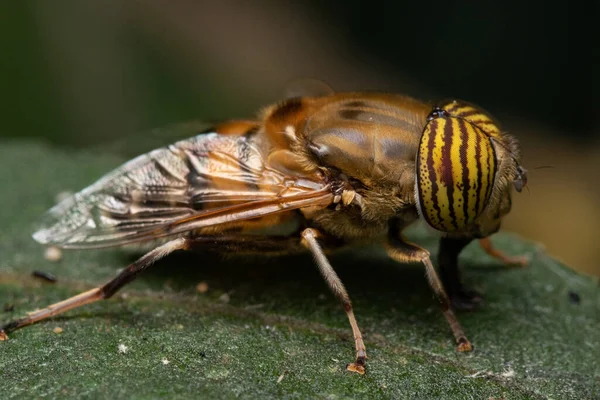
x=473, y=114
x=456, y=166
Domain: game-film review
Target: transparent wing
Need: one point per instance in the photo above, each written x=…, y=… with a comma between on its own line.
x=207, y=180
x=308, y=87
x=135, y=143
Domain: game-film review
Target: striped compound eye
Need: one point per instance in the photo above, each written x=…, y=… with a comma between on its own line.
x=456, y=165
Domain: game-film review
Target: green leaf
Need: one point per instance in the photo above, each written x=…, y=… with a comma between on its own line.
x=281, y=334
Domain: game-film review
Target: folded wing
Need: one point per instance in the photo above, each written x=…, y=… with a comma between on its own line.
x=208, y=180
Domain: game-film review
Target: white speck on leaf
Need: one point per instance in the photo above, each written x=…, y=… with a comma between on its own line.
x=508, y=373
x=165, y=361
x=53, y=254
x=281, y=377
x=123, y=349
x=478, y=374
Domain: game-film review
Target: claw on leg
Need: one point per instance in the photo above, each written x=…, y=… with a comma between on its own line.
x=464, y=346
x=359, y=365
x=465, y=300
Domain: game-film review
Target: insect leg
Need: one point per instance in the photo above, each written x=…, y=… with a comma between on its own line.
x=99, y=293
x=488, y=247
x=309, y=240
x=400, y=250
x=462, y=298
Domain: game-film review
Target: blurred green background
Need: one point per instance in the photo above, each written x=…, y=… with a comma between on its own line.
x=94, y=73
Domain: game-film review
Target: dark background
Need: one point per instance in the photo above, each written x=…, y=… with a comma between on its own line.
x=84, y=74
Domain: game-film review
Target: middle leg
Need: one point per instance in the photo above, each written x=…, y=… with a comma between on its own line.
x=404, y=252
x=290, y=245
x=309, y=240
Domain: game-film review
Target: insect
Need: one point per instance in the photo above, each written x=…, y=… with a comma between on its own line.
x=341, y=168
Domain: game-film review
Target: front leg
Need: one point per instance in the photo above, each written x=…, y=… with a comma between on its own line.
x=461, y=298
x=488, y=247
x=404, y=252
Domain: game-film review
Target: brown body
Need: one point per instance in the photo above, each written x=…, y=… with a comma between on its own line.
x=362, y=146
x=326, y=170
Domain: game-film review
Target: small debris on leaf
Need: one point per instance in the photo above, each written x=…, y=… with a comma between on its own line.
x=122, y=348
x=48, y=277
x=281, y=377
x=574, y=297
x=58, y=329
x=165, y=361
x=53, y=254
x=479, y=374
x=202, y=287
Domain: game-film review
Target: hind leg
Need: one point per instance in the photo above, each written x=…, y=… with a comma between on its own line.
x=102, y=292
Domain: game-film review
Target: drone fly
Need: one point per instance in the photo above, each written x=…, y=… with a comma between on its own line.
x=345, y=167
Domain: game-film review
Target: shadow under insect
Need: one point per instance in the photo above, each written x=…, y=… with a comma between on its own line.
x=293, y=286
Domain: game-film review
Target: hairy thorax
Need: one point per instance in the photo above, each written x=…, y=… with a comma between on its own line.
x=366, y=216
